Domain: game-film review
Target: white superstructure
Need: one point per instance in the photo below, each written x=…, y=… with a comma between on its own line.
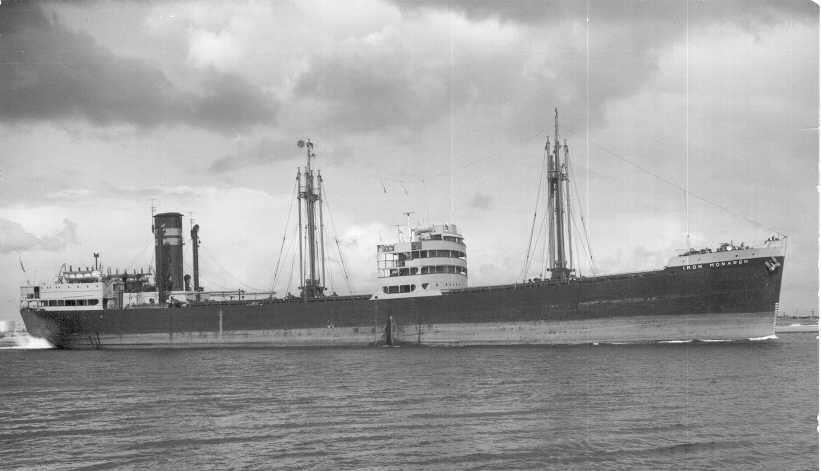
x=89, y=290
x=433, y=260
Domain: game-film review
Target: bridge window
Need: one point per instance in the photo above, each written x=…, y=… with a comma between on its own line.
x=398, y=289
x=404, y=271
x=426, y=270
x=93, y=302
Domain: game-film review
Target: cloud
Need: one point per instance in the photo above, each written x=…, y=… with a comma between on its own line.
x=520, y=85
x=269, y=149
x=750, y=13
x=264, y=150
x=375, y=82
x=129, y=193
x=480, y=201
x=14, y=238
x=217, y=49
x=50, y=73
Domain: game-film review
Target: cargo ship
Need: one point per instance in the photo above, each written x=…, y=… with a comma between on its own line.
x=422, y=295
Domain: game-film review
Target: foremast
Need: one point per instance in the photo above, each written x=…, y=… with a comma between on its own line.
x=309, y=194
x=560, y=247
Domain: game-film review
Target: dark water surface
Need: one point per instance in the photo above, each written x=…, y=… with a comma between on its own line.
x=681, y=406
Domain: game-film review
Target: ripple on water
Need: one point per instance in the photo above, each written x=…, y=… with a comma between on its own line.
x=701, y=405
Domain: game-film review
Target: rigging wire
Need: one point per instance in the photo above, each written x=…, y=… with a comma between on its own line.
x=289, y=248
x=336, y=241
x=586, y=234
x=694, y=195
x=543, y=229
x=330, y=280
x=141, y=253
x=225, y=271
x=526, y=265
x=291, y=274
x=206, y=281
x=344, y=269
x=539, y=246
x=284, y=236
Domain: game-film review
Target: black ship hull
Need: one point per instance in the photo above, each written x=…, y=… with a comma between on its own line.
x=731, y=301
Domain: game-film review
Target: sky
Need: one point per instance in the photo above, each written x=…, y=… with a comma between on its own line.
x=682, y=117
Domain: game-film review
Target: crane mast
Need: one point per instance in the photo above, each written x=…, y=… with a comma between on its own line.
x=558, y=207
x=308, y=193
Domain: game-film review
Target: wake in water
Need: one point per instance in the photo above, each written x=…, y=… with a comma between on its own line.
x=24, y=342
x=766, y=337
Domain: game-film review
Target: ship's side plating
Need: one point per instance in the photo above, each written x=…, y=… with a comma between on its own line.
x=730, y=301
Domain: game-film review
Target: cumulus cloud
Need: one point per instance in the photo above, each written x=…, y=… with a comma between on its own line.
x=14, y=238
x=626, y=41
x=375, y=82
x=750, y=13
x=131, y=193
x=480, y=201
x=269, y=149
x=51, y=72
x=214, y=49
x=264, y=150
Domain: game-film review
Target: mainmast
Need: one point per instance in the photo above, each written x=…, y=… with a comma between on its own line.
x=558, y=207
x=308, y=192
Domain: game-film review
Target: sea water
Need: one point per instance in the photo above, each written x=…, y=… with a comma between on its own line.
x=738, y=405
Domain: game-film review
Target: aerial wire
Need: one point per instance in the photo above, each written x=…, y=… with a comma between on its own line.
x=587, y=110
x=687, y=122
